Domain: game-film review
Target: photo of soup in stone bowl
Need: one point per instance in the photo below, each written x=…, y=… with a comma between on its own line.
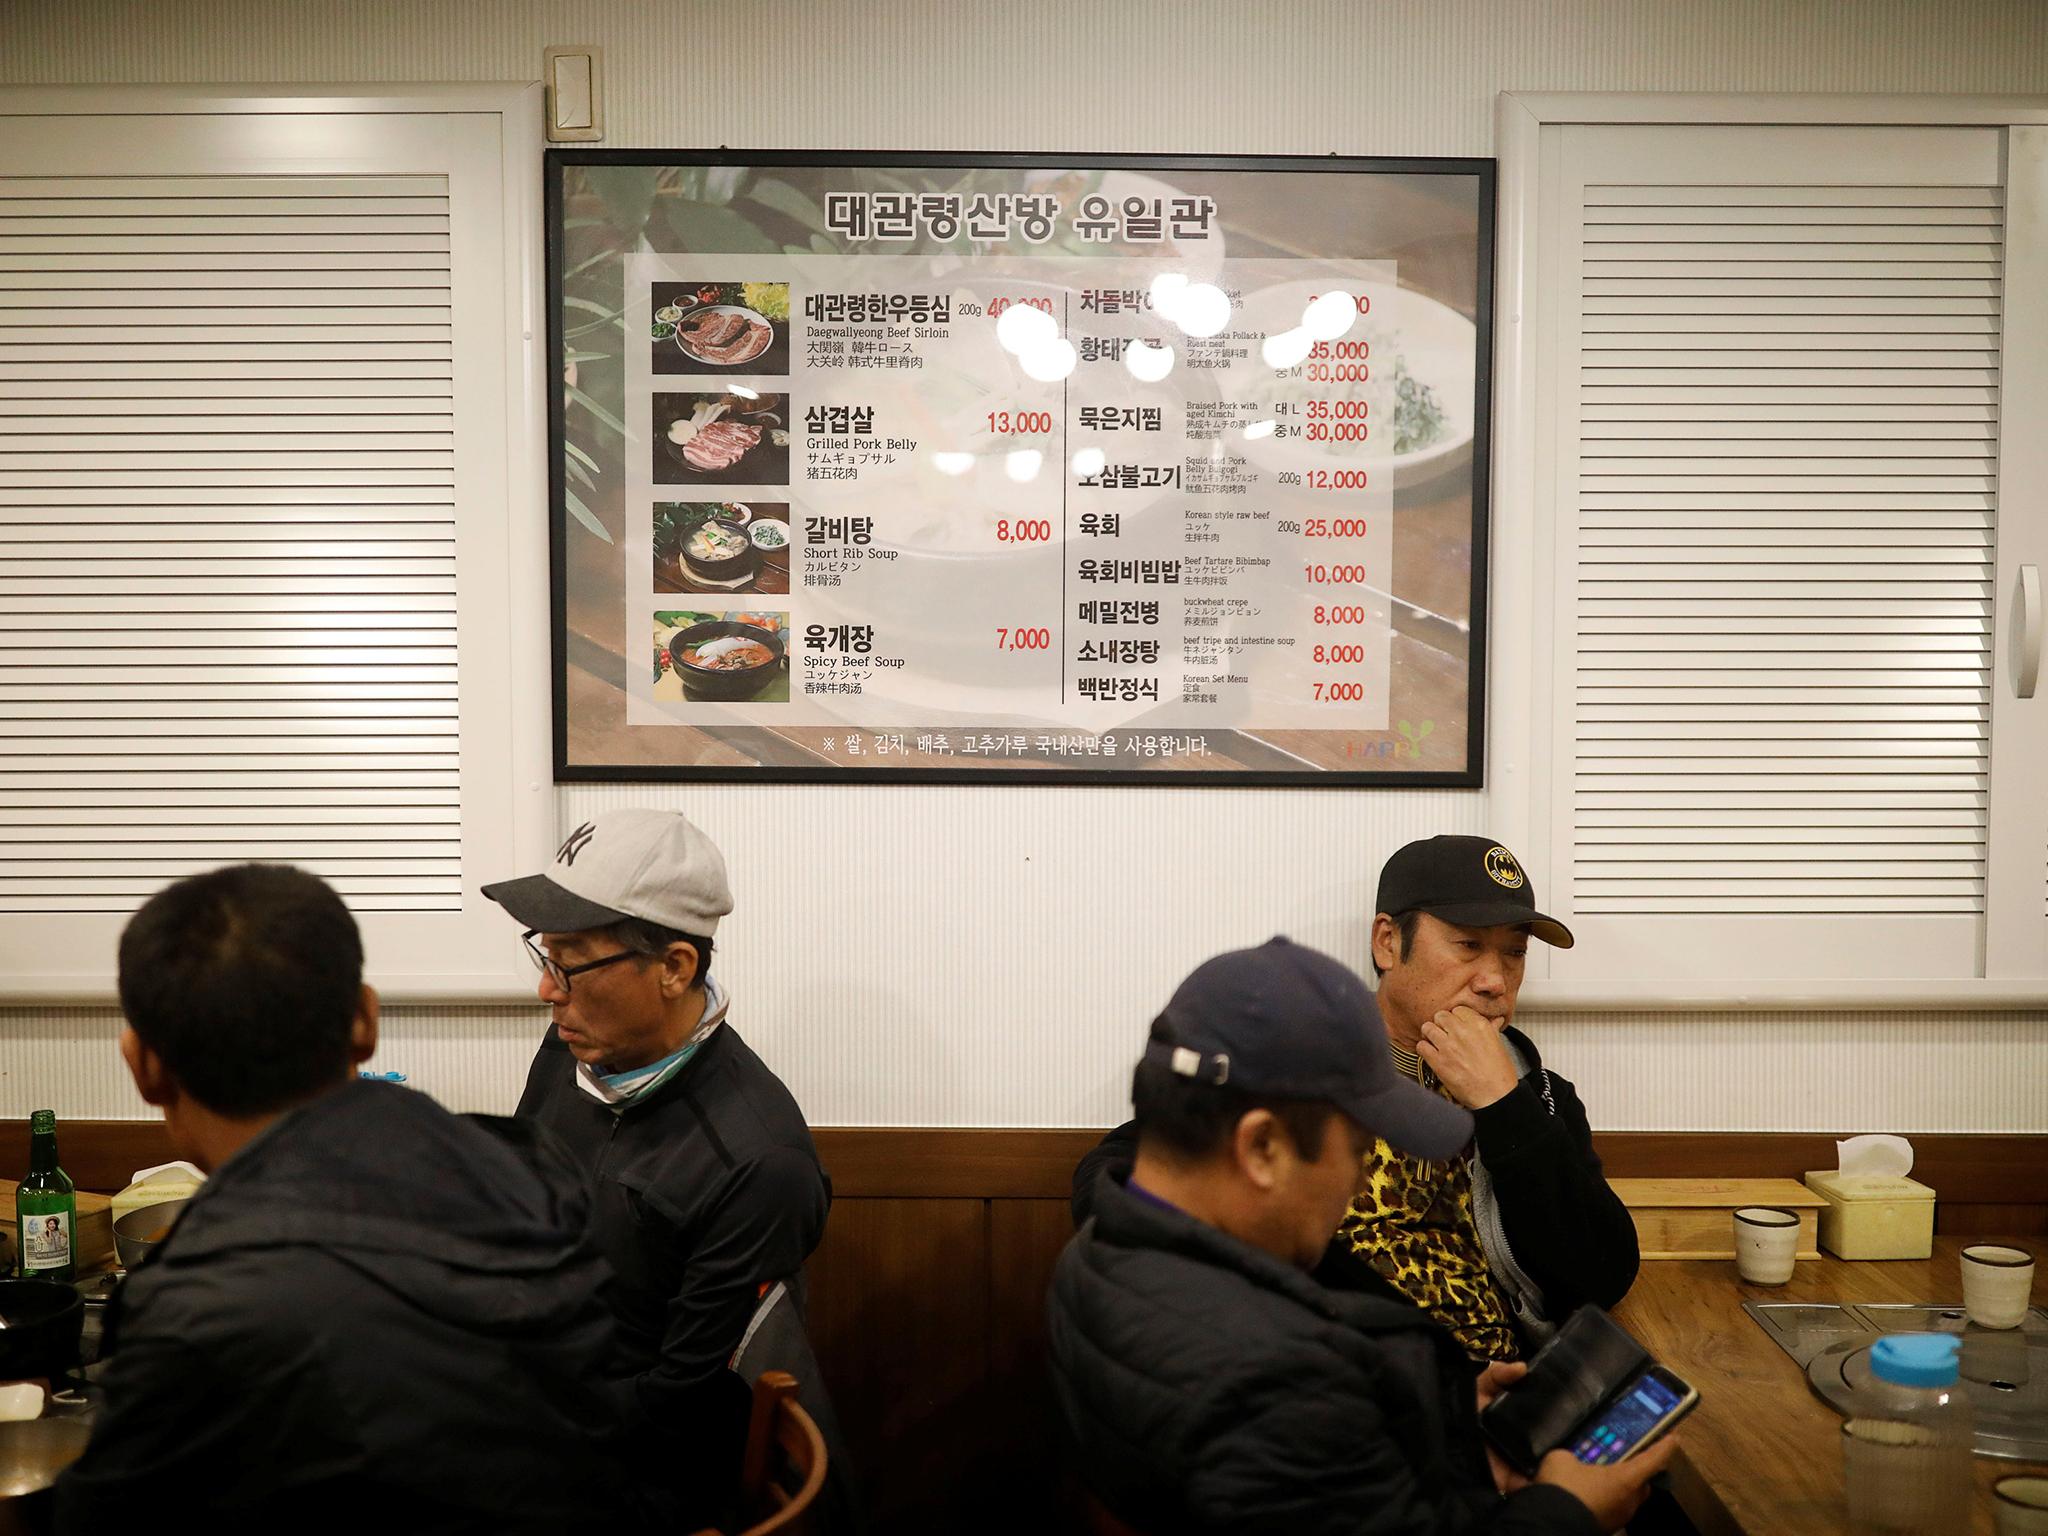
x=719, y=554
x=720, y=547
x=723, y=659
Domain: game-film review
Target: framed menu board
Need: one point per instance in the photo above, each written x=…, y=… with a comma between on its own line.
x=1003, y=468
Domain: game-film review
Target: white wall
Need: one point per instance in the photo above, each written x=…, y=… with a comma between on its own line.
x=990, y=956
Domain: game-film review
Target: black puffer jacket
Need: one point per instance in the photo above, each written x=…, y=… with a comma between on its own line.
x=1556, y=1235
x=375, y=1316
x=1208, y=1387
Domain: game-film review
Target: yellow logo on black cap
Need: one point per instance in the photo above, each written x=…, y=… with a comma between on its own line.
x=1502, y=868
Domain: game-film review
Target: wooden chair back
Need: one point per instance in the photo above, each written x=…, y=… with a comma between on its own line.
x=784, y=1466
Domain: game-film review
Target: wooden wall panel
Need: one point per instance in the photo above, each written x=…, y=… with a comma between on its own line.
x=974, y=1164
x=1982, y=1184
x=899, y=1317
x=99, y=1155
x=1025, y=1239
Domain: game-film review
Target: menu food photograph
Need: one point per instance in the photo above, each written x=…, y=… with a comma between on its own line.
x=1104, y=469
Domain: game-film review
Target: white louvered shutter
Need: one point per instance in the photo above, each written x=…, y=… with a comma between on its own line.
x=227, y=453
x=253, y=440
x=2016, y=929
x=1778, y=527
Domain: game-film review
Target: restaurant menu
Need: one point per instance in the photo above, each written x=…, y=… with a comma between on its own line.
x=947, y=470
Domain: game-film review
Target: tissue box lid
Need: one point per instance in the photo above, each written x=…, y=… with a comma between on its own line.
x=1850, y=1188
x=171, y=1181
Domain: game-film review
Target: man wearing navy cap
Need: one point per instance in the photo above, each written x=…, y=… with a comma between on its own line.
x=1505, y=1241
x=1209, y=1382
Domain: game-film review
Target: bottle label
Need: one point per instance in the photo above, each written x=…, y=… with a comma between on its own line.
x=45, y=1241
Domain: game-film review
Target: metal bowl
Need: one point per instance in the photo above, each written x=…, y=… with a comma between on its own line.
x=34, y=1451
x=143, y=1228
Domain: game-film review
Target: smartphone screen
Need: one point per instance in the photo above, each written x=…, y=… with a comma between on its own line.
x=1653, y=1398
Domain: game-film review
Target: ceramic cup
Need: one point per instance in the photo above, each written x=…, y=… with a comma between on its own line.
x=1766, y=1239
x=1996, y=1285
x=2022, y=1505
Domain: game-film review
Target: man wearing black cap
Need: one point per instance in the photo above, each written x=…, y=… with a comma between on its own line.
x=706, y=1189
x=1505, y=1241
x=1209, y=1383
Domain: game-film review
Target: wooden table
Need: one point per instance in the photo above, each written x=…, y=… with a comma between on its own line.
x=1761, y=1455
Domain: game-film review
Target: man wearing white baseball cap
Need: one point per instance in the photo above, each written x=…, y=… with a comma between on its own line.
x=706, y=1188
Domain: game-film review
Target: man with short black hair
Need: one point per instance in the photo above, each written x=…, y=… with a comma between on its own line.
x=705, y=1183
x=374, y=1313
x=1209, y=1383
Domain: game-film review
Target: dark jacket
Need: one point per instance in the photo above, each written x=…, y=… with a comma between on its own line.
x=376, y=1315
x=1556, y=1235
x=1209, y=1387
x=704, y=1193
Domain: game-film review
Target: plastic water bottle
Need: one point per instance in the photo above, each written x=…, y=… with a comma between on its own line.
x=1906, y=1451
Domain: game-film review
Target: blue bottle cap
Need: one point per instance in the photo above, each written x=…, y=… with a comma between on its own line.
x=1916, y=1359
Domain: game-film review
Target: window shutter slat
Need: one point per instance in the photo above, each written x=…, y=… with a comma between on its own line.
x=227, y=604
x=1782, y=580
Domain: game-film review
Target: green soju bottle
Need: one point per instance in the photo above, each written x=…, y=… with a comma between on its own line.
x=45, y=1206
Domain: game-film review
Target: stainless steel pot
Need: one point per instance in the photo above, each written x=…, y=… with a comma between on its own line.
x=143, y=1228
x=34, y=1451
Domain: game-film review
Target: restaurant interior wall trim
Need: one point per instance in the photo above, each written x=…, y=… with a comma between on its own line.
x=958, y=956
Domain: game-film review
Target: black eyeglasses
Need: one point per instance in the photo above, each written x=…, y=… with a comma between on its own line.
x=559, y=973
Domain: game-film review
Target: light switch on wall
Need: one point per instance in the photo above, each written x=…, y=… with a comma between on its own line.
x=574, y=76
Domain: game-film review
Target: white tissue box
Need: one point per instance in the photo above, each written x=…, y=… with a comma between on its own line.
x=1874, y=1216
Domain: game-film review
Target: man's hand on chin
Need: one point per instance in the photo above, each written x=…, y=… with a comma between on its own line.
x=1464, y=1048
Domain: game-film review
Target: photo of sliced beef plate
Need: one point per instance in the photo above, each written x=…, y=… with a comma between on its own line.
x=724, y=334
x=720, y=446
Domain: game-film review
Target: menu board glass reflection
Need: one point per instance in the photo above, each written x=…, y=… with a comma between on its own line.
x=1134, y=469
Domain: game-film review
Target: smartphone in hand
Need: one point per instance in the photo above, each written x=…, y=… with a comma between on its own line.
x=1636, y=1416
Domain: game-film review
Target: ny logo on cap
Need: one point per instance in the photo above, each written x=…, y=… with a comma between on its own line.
x=575, y=843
